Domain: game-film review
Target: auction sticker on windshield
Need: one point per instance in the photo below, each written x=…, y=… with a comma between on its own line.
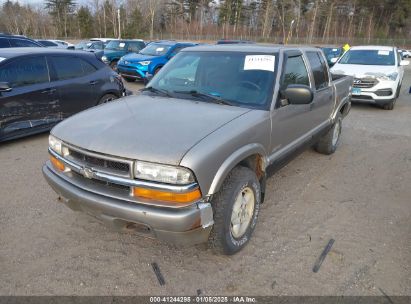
x=384, y=53
x=259, y=62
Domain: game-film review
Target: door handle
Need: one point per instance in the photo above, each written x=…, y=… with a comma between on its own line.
x=93, y=82
x=49, y=91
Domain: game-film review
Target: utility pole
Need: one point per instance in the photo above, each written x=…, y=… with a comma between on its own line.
x=119, y=24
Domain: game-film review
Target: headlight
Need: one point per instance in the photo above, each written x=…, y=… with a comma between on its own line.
x=392, y=76
x=55, y=144
x=163, y=173
x=144, y=62
x=104, y=58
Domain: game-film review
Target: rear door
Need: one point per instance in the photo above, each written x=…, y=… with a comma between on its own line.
x=32, y=103
x=76, y=81
x=289, y=121
x=323, y=102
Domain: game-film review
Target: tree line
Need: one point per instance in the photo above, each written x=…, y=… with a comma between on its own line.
x=286, y=21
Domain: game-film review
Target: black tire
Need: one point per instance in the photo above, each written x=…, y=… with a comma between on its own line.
x=157, y=70
x=329, y=142
x=128, y=79
x=221, y=238
x=107, y=98
x=390, y=105
x=113, y=65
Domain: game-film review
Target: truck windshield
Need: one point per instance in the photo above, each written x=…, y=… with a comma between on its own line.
x=368, y=57
x=233, y=78
x=155, y=49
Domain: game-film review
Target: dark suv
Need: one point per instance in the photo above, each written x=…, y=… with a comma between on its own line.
x=10, y=41
x=40, y=86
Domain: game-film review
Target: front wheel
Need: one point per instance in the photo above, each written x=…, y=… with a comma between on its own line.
x=329, y=142
x=107, y=98
x=236, y=207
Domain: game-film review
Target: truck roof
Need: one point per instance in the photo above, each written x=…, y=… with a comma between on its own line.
x=260, y=48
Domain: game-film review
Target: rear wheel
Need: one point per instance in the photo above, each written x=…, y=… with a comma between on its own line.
x=236, y=207
x=107, y=98
x=329, y=142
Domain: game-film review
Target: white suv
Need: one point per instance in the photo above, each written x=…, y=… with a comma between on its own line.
x=378, y=72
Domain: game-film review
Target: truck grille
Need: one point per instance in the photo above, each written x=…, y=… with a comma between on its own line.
x=100, y=163
x=364, y=83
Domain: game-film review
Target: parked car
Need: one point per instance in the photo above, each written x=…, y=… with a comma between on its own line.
x=104, y=40
x=186, y=160
x=406, y=53
x=90, y=45
x=39, y=87
x=116, y=49
x=62, y=42
x=55, y=44
x=378, y=73
x=12, y=41
x=332, y=54
x=149, y=60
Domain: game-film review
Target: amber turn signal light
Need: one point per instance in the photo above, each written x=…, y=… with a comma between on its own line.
x=59, y=165
x=170, y=197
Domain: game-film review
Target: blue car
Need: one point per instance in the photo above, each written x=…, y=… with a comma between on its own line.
x=149, y=60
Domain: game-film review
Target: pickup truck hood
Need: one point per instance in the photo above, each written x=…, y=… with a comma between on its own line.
x=133, y=58
x=144, y=127
x=361, y=71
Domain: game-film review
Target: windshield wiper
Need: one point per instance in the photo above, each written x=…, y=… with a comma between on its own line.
x=155, y=90
x=207, y=97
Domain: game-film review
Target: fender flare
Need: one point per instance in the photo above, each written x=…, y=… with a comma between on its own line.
x=346, y=100
x=233, y=160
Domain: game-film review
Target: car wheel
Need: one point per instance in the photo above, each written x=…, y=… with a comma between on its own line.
x=113, y=65
x=157, y=70
x=236, y=207
x=107, y=98
x=390, y=105
x=329, y=142
x=128, y=79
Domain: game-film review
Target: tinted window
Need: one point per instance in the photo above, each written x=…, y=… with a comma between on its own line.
x=25, y=71
x=70, y=67
x=319, y=68
x=155, y=49
x=22, y=43
x=47, y=43
x=4, y=43
x=87, y=67
x=295, y=72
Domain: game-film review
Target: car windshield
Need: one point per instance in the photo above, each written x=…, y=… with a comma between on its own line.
x=83, y=45
x=116, y=45
x=368, y=57
x=234, y=78
x=332, y=52
x=155, y=49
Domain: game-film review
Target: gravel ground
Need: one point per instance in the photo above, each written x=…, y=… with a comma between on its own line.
x=360, y=196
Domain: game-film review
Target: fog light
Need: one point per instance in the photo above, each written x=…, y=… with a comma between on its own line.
x=172, y=197
x=59, y=165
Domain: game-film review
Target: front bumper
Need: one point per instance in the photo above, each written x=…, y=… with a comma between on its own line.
x=136, y=72
x=382, y=93
x=182, y=226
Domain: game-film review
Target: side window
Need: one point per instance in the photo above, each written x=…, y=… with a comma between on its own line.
x=22, y=43
x=88, y=68
x=24, y=72
x=98, y=46
x=295, y=72
x=176, y=50
x=67, y=67
x=319, y=68
x=4, y=43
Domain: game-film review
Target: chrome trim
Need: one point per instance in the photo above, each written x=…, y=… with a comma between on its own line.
x=125, y=181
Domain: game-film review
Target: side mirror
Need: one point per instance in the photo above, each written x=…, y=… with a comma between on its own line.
x=404, y=62
x=5, y=87
x=298, y=94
